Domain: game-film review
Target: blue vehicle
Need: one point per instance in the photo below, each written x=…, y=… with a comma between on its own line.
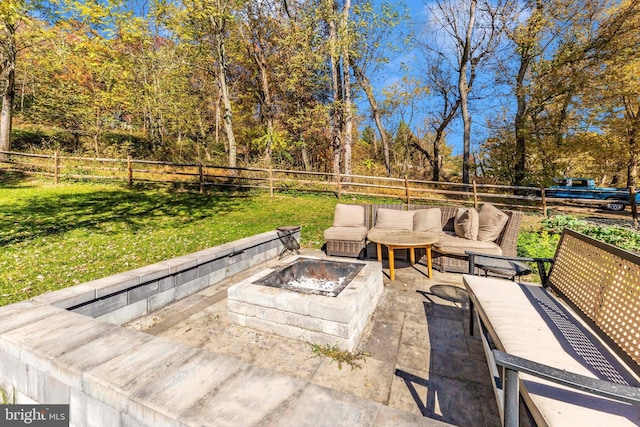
x=615, y=199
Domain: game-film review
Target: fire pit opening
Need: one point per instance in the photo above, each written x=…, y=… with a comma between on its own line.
x=313, y=276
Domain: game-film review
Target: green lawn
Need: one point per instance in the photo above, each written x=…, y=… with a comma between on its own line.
x=54, y=236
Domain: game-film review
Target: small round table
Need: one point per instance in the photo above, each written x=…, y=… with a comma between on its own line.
x=399, y=239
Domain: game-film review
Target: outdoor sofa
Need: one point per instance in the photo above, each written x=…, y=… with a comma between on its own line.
x=485, y=230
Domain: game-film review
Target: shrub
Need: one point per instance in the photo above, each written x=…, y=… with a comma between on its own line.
x=542, y=243
x=621, y=237
x=557, y=223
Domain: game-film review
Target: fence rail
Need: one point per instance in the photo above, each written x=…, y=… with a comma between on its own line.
x=201, y=176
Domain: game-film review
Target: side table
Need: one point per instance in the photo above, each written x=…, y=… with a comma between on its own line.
x=507, y=266
x=502, y=267
x=286, y=234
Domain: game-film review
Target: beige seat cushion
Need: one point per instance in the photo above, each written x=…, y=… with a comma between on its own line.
x=516, y=312
x=466, y=223
x=454, y=245
x=392, y=219
x=386, y=230
x=491, y=221
x=348, y=216
x=429, y=220
x=353, y=234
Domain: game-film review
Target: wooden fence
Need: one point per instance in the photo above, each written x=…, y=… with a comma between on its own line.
x=200, y=176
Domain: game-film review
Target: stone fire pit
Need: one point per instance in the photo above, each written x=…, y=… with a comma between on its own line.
x=319, y=300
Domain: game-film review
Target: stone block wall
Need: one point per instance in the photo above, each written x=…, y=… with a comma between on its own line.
x=53, y=351
x=126, y=296
x=48, y=345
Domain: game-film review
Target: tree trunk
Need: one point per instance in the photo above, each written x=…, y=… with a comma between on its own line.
x=348, y=121
x=6, y=116
x=463, y=88
x=437, y=157
x=224, y=92
x=435, y=160
x=305, y=158
x=520, y=125
x=375, y=112
x=336, y=87
x=96, y=134
x=633, y=132
x=526, y=50
x=266, y=106
x=8, y=95
x=218, y=115
x=346, y=78
x=632, y=167
x=266, y=101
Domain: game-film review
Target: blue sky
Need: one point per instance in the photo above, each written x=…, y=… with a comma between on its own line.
x=415, y=62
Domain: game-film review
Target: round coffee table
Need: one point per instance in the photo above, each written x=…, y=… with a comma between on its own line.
x=399, y=239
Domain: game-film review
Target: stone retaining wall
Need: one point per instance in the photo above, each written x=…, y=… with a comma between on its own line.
x=52, y=353
x=126, y=296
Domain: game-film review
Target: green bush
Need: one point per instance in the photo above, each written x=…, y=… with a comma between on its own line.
x=557, y=223
x=621, y=237
x=542, y=243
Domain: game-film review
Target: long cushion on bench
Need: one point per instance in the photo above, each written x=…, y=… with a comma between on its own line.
x=527, y=321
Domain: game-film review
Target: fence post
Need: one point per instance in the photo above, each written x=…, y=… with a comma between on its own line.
x=406, y=189
x=338, y=184
x=56, y=168
x=129, y=172
x=200, y=178
x=475, y=195
x=543, y=196
x=634, y=205
x=270, y=182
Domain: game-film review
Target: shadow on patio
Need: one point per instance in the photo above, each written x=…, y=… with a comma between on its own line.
x=421, y=358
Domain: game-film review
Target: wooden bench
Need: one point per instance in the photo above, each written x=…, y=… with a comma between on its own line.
x=570, y=348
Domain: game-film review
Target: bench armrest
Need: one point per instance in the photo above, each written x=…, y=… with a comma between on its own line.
x=542, y=271
x=620, y=392
x=513, y=365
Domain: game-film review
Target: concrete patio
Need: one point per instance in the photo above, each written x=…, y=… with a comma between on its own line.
x=421, y=359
